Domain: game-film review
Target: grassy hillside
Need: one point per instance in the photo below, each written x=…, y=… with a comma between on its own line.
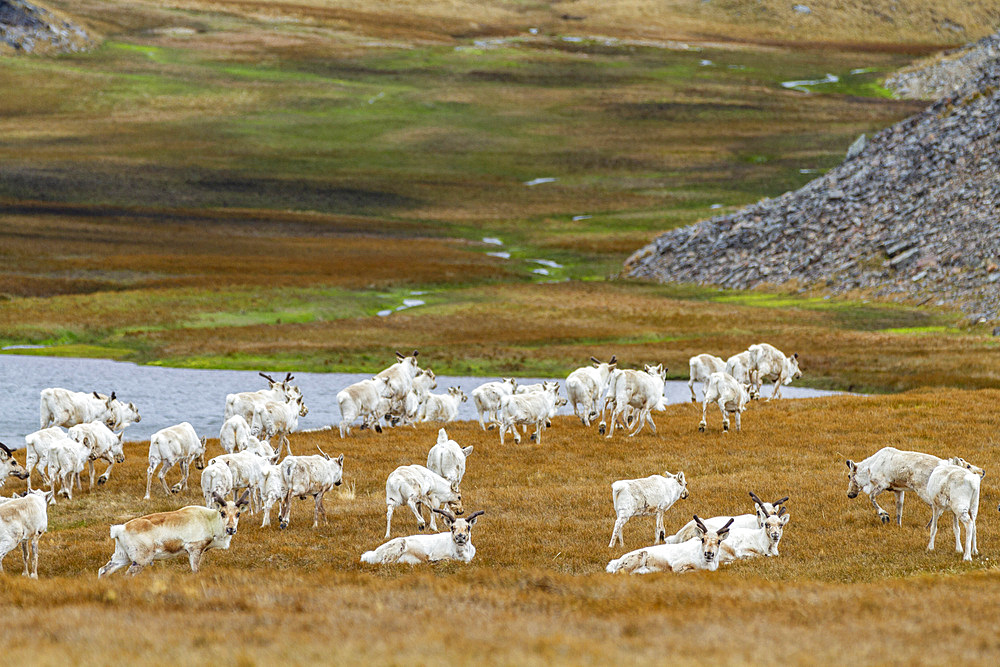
x=845, y=587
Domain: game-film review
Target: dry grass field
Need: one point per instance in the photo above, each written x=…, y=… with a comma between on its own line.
x=846, y=589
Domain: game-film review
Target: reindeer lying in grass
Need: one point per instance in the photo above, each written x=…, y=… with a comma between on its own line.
x=700, y=553
x=453, y=545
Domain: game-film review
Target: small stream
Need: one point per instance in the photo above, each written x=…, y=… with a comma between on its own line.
x=167, y=396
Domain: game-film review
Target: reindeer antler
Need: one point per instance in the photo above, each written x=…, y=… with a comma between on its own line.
x=6, y=449
x=760, y=503
x=780, y=502
x=267, y=377
x=446, y=514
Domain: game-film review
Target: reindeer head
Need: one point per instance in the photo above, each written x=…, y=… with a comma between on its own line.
x=383, y=386
x=792, y=370
x=774, y=525
x=458, y=393
x=679, y=478
x=303, y=410
x=411, y=360
x=7, y=460
x=856, y=481
x=962, y=463
x=461, y=529
x=764, y=510
x=659, y=370
x=118, y=449
x=230, y=511
x=512, y=382
x=711, y=540
x=429, y=374
x=338, y=466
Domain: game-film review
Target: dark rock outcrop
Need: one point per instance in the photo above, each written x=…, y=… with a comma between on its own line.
x=30, y=28
x=914, y=216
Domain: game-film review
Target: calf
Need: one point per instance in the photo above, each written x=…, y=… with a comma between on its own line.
x=9, y=467
x=234, y=434
x=738, y=366
x=453, y=545
x=192, y=530
x=635, y=394
x=216, y=481
x=279, y=418
x=416, y=486
x=23, y=521
x=270, y=489
x=955, y=488
x=245, y=467
x=66, y=460
x=103, y=444
x=309, y=475
x=173, y=445
x=535, y=407
x=645, y=497
x=442, y=407
x=767, y=362
x=701, y=367
x=487, y=399
x=36, y=448
x=586, y=385
x=362, y=399
x=899, y=471
x=700, y=553
x=730, y=396
x=447, y=459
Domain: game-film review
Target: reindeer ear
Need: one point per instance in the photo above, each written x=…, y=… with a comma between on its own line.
x=467, y=450
x=442, y=436
x=340, y=460
x=785, y=518
x=113, y=396
x=852, y=465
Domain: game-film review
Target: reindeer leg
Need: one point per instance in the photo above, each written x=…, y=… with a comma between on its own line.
x=882, y=514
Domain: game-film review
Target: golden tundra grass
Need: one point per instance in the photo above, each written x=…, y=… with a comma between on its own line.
x=846, y=589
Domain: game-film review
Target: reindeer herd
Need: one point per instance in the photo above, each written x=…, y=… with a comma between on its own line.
x=251, y=473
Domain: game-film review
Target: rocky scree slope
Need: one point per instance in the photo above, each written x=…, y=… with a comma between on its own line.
x=30, y=28
x=951, y=74
x=912, y=215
